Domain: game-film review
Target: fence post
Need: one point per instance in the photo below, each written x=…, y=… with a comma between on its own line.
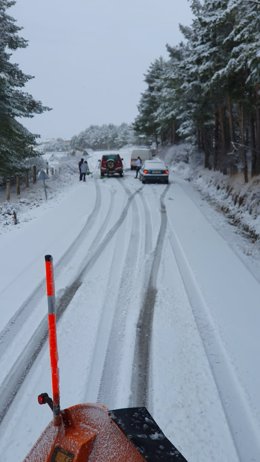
x=8, y=190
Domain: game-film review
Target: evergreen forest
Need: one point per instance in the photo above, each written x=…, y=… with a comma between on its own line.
x=17, y=144
x=208, y=90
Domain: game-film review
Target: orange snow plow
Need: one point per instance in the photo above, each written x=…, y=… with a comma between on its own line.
x=90, y=432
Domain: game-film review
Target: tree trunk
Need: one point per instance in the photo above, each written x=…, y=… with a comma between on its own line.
x=257, y=133
x=18, y=189
x=216, y=139
x=243, y=148
x=27, y=179
x=8, y=190
x=34, y=174
x=222, y=150
x=230, y=121
x=173, y=132
x=206, y=145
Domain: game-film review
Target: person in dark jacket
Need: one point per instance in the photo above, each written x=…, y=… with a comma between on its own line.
x=80, y=174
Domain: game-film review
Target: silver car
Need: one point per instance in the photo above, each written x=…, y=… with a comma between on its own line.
x=154, y=171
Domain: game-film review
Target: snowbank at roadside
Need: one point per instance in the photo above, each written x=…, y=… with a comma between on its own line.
x=61, y=174
x=240, y=201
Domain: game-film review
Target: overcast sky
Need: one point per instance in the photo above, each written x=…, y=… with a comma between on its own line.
x=89, y=57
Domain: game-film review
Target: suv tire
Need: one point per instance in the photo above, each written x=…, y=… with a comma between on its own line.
x=110, y=164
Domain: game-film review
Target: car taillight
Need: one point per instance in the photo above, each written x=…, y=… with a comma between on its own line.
x=145, y=172
x=166, y=172
x=103, y=163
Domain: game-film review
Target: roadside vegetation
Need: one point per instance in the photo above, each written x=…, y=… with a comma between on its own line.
x=17, y=144
x=208, y=91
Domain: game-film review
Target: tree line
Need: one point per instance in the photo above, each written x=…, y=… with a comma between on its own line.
x=208, y=90
x=108, y=136
x=17, y=144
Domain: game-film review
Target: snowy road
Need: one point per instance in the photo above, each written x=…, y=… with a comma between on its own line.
x=154, y=309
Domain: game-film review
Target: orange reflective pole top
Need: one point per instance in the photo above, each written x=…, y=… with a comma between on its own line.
x=53, y=346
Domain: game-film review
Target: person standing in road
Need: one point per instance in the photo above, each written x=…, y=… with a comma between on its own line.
x=83, y=170
x=80, y=163
x=138, y=165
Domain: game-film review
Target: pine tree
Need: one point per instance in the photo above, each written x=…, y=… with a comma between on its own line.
x=246, y=56
x=210, y=86
x=170, y=96
x=104, y=137
x=147, y=121
x=16, y=142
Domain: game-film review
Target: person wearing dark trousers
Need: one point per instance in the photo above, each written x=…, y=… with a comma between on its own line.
x=138, y=165
x=84, y=170
x=80, y=174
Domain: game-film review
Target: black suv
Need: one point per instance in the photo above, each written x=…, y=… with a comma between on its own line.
x=111, y=164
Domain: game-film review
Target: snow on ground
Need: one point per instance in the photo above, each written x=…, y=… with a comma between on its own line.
x=191, y=410
x=222, y=193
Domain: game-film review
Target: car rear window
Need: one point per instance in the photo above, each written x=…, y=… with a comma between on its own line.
x=111, y=156
x=155, y=166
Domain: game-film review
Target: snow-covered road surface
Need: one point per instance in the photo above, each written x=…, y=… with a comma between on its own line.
x=155, y=309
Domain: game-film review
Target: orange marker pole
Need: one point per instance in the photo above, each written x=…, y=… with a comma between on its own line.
x=53, y=346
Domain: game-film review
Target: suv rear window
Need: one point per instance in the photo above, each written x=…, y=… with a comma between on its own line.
x=111, y=156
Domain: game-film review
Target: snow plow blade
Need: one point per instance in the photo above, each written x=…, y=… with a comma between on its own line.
x=142, y=430
x=91, y=433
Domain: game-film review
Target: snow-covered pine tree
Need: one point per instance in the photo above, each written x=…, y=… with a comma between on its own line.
x=16, y=142
x=147, y=121
x=209, y=56
x=210, y=87
x=104, y=137
x=170, y=99
x=245, y=60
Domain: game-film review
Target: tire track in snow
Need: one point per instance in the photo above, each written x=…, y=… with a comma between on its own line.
x=232, y=397
x=109, y=383
x=10, y=386
x=140, y=381
x=16, y=322
x=106, y=320
x=7, y=335
x=95, y=254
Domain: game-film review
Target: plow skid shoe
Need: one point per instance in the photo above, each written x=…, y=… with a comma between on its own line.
x=142, y=430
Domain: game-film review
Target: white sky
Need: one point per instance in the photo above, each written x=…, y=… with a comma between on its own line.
x=89, y=57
